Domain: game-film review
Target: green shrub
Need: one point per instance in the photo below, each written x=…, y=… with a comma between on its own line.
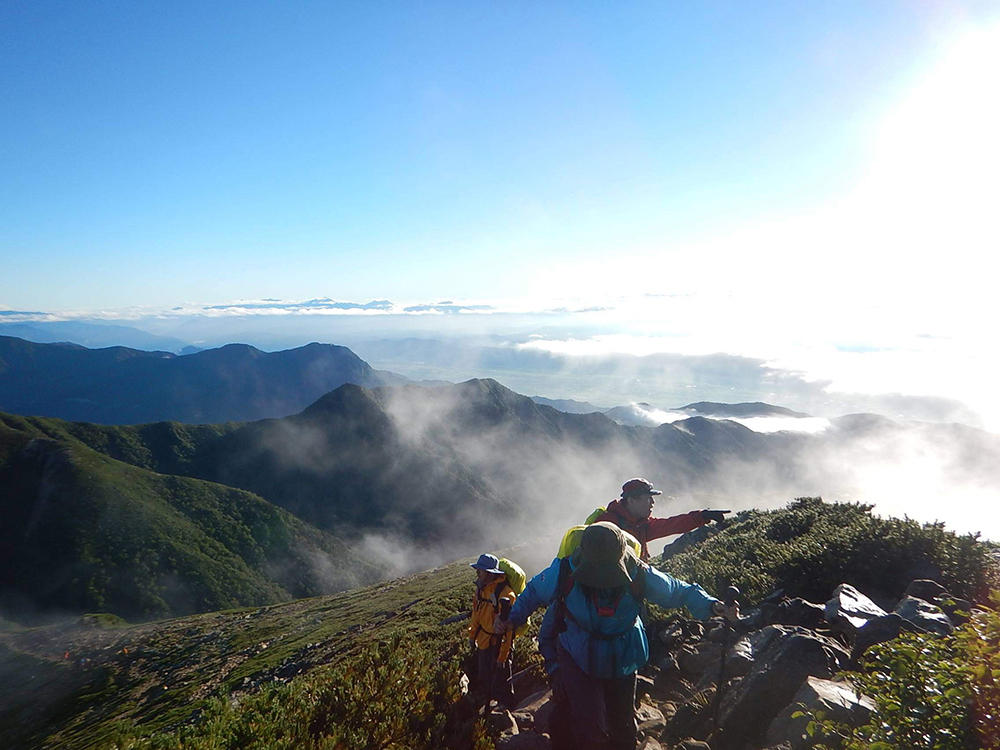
x=929, y=692
x=979, y=644
x=810, y=547
x=390, y=695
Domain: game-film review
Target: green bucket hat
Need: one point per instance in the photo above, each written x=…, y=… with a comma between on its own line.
x=601, y=559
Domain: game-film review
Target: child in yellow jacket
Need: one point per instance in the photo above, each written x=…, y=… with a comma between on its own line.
x=493, y=600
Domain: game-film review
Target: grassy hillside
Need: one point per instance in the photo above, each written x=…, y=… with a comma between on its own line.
x=242, y=678
x=85, y=532
x=160, y=675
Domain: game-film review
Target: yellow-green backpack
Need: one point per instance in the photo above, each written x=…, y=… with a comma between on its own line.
x=517, y=580
x=571, y=540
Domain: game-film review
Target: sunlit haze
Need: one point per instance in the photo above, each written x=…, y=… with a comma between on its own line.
x=649, y=191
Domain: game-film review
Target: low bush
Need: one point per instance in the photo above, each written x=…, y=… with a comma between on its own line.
x=930, y=692
x=809, y=547
x=390, y=695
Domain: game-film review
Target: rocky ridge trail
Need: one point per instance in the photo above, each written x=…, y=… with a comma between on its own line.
x=784, y=657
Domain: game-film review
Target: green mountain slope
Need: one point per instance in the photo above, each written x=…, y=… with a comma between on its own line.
x=468, y=462
x=85, y=532
x=424, y=475
x=76, y=685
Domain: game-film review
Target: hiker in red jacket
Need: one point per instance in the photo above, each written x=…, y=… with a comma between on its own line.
x=632, y=512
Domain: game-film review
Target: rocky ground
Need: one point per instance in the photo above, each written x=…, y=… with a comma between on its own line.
x=783, y=655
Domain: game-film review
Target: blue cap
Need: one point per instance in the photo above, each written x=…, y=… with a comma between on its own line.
x=489, y=563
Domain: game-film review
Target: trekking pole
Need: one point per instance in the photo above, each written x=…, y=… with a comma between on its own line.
x=493, y=675
x=729, y=599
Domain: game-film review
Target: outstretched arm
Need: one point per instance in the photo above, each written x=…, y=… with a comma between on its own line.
x=540, y=592
x=671, y=593
x=661, y=527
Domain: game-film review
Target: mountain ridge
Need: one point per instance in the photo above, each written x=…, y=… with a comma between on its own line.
x=118, y=385
x=423, y=475
x=83, y=531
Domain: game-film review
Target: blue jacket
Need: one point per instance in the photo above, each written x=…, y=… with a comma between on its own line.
x=627, y=649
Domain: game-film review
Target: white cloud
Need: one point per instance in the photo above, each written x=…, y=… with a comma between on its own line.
x=640, y=413
x=810, y=425
x=887, y=290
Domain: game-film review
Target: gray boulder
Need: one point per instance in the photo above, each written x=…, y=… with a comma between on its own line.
x=839, y=701
x=850, y=610
x=739, y=660
x=760, y=616
x=650, y=719
x=535, y=711
x=502, y=721
x=957, y=609
x=681, y=543
x=743, y=654
x=925, y=615
x=694, y=661
x=926, y=589
x=749, y=707
x=880, y=630
x=799, y=612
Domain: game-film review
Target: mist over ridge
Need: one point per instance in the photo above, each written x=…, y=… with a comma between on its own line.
x=769, y=455
x=398, y=479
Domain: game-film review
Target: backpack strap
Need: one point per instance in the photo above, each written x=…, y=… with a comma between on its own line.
x=564, y=584
x=494, y=597
x=639, y=581
x=494, y=600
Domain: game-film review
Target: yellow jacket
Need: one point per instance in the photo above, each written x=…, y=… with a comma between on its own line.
x=485, y=608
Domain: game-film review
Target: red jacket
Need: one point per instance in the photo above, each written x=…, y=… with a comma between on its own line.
x=648, y=529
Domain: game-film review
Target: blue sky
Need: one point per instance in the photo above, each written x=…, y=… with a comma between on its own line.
x=810, y=185
x=155, y=154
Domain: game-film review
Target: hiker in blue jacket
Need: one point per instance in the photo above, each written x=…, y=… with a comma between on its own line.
x=598, y=592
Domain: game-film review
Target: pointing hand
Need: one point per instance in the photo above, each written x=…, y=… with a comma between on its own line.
x=719, y=516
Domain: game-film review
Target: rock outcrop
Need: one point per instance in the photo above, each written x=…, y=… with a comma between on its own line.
x=838, y=701
x=781, y=658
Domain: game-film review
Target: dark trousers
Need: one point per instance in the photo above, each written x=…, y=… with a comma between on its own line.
x=600, y=713
x=492, y=679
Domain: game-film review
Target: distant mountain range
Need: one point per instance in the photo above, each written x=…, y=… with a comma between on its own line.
x=645, y=414
x=743, y=410
x=568, y=405
x=93, y=335
x=118, y=385
x=121, y=385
